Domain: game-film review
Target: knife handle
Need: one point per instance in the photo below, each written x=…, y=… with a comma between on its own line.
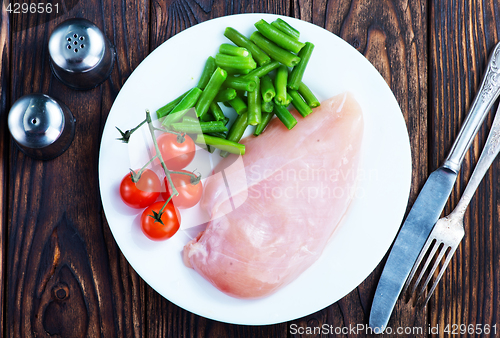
x=488, y=93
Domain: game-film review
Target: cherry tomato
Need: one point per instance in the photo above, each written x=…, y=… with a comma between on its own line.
x=189, y=192
x=170, y=221
x=177, y=155
x=142, y=193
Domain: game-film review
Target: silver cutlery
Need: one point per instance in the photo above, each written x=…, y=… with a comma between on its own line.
x=81, y=56
x=41, y=126
x=449, y=230
x=431, y=201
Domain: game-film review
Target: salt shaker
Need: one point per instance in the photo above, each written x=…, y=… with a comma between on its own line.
x=42, y=127
x=80, y=55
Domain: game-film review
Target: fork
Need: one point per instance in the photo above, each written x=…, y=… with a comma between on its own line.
x=449, y=231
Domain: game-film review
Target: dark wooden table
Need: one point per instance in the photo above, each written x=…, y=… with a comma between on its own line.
x=62, y=274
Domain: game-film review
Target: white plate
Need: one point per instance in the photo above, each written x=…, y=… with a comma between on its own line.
x=370, y=225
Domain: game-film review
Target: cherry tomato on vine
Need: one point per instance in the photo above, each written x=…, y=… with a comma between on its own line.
x=177, y=155
x=189, y=188
x=170, y=221
x=142, y=193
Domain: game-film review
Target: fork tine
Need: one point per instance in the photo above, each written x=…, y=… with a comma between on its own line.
x=434, y=267
x=416, y=265
x=443, y=268
x=427, y=262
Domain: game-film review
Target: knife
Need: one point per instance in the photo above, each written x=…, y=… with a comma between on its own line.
x=431, y=201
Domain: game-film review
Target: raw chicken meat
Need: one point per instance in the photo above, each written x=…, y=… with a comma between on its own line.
x=287, y=197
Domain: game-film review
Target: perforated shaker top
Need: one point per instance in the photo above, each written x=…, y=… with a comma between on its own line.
x=77, y=45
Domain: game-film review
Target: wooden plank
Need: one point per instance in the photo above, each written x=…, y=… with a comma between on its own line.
x=66, y=276
x=460, y=40
x=391, y=35
x=4, y=148
x=127, y=26
x=164, y=318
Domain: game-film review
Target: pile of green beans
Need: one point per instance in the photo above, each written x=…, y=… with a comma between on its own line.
x=258, y=76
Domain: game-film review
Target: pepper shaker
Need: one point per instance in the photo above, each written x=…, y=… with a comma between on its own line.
x=81, y=56
x=42, y=127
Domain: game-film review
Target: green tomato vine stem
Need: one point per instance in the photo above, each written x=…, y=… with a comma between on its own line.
x=137, y=175
x=157, y=215
x=165, y=205
x=158, y=154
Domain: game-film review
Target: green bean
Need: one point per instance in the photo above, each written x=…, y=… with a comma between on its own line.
x=211, y=90
x=235, y=71
x=278, y=37
x=267, y=88
x=217, y=111
x=262, y=70
x=236, y=62
x=229, y=49
x=243, y=95
x=298, y=71
x=182, y=107
x=218, y=134
x=174, y=117
x=308, y=95
x=188, y=101
x=226, y=94
x=266, y=118
x=205, y=127
x=225, y=120
x=286, y=28
x=280, y=85
x=274, y=51
x=207, y=118
x=285, y=116
x=240, y=83
x=237, y=130
x=166, y=109
x=242, y=41
x=239, y=105
x=267, y=107
x=255, y=105
x=208, y=70
x=222, y=144
x=190, y=119
x=299, y=103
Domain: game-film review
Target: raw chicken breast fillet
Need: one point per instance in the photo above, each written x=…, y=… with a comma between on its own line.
x=287, y=197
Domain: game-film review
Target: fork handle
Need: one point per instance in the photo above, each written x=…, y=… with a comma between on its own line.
x=490, y=151
x=487, y=94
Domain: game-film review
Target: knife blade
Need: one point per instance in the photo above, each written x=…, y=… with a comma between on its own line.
x=417, y=227
x=431, y=201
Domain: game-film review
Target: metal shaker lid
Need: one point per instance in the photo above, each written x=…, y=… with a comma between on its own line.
x=77, y=45
x=36, y=121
